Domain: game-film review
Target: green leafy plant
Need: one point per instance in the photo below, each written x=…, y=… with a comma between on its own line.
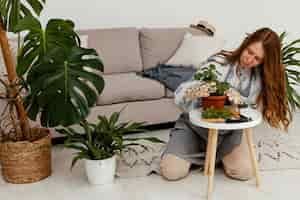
x=104, y=138
x=59, y=76
x=210, y=75
x=207, y=74
x=211, y=113
x=221, y=88
x=58, y=72
x=291, y=61
x=12, y=11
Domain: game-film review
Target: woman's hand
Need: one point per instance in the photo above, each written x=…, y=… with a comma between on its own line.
x=233, y=96
x=196, y=89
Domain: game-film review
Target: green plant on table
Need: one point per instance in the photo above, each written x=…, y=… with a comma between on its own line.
x=209, y=75
x=212, y=113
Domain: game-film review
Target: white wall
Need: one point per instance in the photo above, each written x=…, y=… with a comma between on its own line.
x=232, y=18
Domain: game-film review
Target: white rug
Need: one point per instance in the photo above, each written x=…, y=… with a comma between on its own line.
x=275, y=151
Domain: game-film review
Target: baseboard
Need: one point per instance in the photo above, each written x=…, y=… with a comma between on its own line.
x=154, y=127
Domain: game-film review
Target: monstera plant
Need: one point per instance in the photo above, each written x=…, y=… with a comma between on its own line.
x=54, y=81
x=57, y=71
x=291, y=60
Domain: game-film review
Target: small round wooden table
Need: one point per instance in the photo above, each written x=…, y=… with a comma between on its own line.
x=209, y=167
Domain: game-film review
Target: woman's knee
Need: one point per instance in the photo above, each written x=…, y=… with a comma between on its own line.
x=239, y=172
x=237, y=164
x=173, y=168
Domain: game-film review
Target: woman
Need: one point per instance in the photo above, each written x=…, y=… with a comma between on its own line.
x=255, y=70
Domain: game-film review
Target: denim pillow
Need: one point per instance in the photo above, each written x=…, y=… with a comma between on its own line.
x=168, y=75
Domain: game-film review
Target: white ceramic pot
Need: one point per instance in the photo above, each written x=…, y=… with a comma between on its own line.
x=100, y=172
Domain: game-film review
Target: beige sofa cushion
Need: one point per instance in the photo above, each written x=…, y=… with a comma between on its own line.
x=159, y=44
x=126, y=87
x=152, y=111
x=118, y=48
x=194, y=50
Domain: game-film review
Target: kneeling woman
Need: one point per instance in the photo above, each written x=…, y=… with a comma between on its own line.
x=255, y=70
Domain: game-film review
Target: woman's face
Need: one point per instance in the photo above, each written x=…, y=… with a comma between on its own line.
x=252, y=55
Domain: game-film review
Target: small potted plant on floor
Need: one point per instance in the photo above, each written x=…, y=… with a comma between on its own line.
x=215, y=88
x=99, y=144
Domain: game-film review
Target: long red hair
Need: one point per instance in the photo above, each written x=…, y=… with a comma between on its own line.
x=272, y=98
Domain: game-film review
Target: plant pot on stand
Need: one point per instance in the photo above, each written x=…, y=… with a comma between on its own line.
x=213, y=102
x=215, y=89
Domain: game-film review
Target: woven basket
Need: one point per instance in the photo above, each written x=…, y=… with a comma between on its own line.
x=27, y=162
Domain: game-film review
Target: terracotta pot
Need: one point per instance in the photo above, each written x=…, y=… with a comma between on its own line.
x=213, y=101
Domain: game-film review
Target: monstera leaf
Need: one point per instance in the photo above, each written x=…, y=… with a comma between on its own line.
x=290, y=58
x=63, y=86
x=58, y=33
x=12, y=11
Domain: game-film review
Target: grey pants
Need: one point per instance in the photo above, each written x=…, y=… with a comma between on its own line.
x=189, y=142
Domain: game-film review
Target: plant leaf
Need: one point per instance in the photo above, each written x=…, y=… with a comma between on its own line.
x=37, y=42
x=12, y=11
x=60, y=86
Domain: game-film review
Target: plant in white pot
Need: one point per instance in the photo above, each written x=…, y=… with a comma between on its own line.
x=99, y=143
x=55, y=72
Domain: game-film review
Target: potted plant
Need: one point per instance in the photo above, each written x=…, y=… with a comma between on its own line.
x=216, y=88
x=55, y=74
x=99, y=144
x=290, y=51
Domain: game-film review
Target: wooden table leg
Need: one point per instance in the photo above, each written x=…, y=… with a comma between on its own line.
x=212, y=159
x=207, y=155
x=248, y=132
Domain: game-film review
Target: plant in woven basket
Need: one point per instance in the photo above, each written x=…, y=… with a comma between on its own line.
x=56, y=78
x=99, y=142
x=290, y=59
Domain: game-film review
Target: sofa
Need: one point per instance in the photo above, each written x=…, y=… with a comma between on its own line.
x=126, y=51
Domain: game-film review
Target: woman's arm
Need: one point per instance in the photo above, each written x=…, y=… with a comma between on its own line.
x=180, y=96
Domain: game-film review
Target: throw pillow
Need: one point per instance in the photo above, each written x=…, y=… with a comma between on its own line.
x=194, y=50
x=168, y=75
